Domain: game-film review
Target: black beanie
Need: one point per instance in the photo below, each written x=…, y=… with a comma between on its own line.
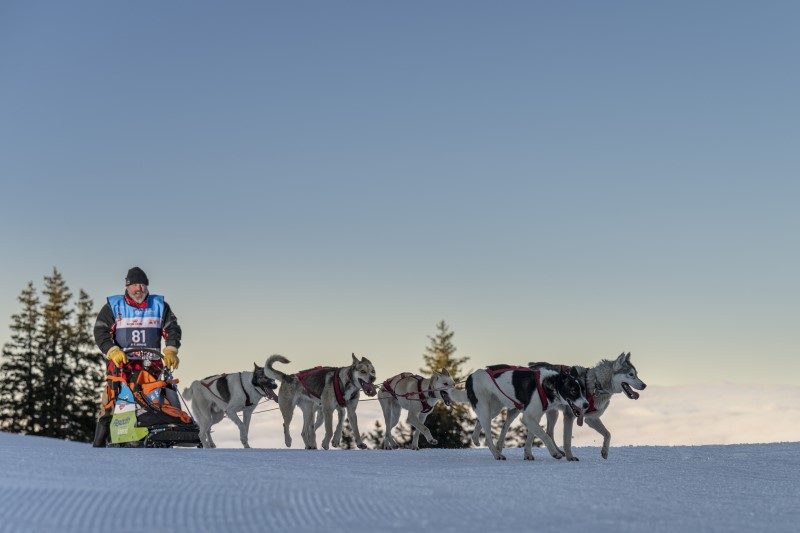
x=136, y=275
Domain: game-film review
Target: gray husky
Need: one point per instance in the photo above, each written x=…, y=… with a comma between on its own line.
x=601, y=381
x=326, y=388
x=531, y=391
x=222, y=395
x=418, y=396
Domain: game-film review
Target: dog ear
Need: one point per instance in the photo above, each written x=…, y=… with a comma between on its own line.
x=619, y=361
x=355, y=359
x=444, y=372
x=574, y=372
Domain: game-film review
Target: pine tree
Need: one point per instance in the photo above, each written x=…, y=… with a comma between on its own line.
x=51, y=373
x=56, y=347
x=450, y=426
x=20, y=371
x=87, y=372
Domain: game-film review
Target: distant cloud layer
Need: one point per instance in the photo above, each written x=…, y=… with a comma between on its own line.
x=723, y=413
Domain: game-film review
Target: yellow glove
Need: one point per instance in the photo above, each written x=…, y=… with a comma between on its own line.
x=117, y=356
x=170, y=357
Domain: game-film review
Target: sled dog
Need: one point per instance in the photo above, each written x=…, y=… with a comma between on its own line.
x=222, y=395
x=418, y=396
x=326, y=388
x=602, y=381
x=532, y=392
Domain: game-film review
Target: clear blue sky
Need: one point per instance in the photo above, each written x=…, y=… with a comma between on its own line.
x=557, y=180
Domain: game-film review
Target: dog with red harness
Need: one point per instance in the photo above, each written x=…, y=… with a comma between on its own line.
x=418, y=396
x=327, y=389
x=530, y=390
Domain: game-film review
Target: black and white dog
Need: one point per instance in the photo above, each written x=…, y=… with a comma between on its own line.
x=222, y=395
x=531, y=391
x=601, y=382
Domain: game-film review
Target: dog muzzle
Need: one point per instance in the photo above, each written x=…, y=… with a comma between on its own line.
x=577, y=412
x=368, y=387
x=446, y=398
x=629, y=392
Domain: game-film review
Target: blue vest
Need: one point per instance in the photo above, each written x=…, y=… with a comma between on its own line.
x=138, y=331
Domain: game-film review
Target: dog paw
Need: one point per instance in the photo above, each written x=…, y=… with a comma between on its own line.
x=433, y=441
x=362, y=446
x=558, y=455
x=529, y=457
x=573, y=458
x=311, y=447
x=500, y=457
x=604, y=453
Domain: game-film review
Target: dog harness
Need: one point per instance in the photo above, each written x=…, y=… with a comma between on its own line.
x=337, y=382
x=247, y=403
x=391, y=383
x=494, y=373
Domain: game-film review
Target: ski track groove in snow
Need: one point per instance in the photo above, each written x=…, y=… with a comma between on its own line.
x=50, y=485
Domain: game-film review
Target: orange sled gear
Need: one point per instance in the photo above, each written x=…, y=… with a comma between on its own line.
x=146, y=409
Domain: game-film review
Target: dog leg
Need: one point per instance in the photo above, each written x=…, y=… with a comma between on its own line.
x=485, y=418
x=597, y=425
x=337, y=433
x=531, y=422
x=476, y=433
x=328, y=413
x=286, y=404
x=396, y=411
x=511, y=415
x=246, y=414
x=569, y=419
x=552, y=418
x=353, y=418
x=309, y=432
x=387, y=407
x=239, y=424
x=419, y=427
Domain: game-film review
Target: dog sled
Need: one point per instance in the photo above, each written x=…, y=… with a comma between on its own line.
x=147, y=412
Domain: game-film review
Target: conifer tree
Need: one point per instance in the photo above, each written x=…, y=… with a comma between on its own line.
x=87, y=371
x=20, y=371
x=51, y=373
x=450, y=426
x=55, y=349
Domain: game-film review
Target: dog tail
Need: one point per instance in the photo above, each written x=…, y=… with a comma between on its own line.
x=276, y=374
x=187, y=393
x=473, y=400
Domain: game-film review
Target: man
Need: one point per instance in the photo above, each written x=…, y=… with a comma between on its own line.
x=128, y=330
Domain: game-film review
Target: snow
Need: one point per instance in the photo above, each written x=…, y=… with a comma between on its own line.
x=49, y=485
